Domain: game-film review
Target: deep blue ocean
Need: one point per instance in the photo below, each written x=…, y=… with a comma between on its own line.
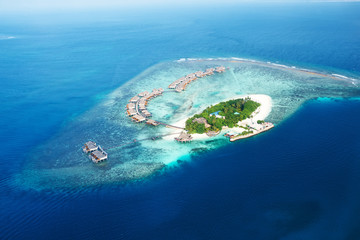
x=303, y=184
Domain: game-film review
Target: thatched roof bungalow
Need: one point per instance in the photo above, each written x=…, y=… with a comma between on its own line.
x=184, y=137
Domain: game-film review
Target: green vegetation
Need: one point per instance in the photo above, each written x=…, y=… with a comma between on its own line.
x=244, y=133
x=231, y=113
x=260, y=121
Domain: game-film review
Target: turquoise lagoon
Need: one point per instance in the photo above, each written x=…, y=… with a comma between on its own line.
x=59, y=162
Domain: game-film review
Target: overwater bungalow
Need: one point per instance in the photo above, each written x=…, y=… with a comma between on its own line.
x=191, y=76
x=209, y=71
x=199, y=74
x=155, y=92
x=146, y=113
x=130, y=106
x=176, y=82
x=142, y=107
x=172, y=85
x=181, y=87
x=152, y=122
x=143, y=101
x=220, y=69
x=184, y=137
x=98, y=155
x=89, y=146
x=135, y=99
x=138, y=118
x=143, y=94
x=131, y=112
x=181, y=79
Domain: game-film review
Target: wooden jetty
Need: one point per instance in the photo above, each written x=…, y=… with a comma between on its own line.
x=170, y=126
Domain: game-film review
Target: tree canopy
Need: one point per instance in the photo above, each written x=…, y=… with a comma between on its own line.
x=231, y=113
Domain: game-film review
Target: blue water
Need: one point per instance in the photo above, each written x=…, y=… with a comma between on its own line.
x=303, y=184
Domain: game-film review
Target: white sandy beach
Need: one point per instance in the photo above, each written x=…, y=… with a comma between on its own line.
x=260, y=114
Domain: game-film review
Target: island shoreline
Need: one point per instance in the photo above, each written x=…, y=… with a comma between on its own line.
x=260, y=114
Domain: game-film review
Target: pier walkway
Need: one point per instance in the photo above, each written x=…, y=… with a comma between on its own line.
x=170, y=126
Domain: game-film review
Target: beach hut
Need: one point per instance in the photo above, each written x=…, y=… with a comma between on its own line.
x=184, y=137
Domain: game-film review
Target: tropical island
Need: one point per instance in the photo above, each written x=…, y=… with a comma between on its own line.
x=239, y=117
x=230, y=114
x=224, y=114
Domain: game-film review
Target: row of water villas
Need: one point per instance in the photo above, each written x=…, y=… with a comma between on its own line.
x=180, y=84
x=136, y=108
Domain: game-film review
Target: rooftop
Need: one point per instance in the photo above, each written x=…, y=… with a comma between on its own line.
x=152, y=122
x=91, y=145
x=184, y=137
x=135, y=98
x=99, y=154
x=202, y=120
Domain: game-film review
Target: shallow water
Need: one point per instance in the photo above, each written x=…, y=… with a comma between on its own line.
x=302, y=181
x=63, y=74
x=109, y=126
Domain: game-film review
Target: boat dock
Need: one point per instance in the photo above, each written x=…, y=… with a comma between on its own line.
x=265, y=127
